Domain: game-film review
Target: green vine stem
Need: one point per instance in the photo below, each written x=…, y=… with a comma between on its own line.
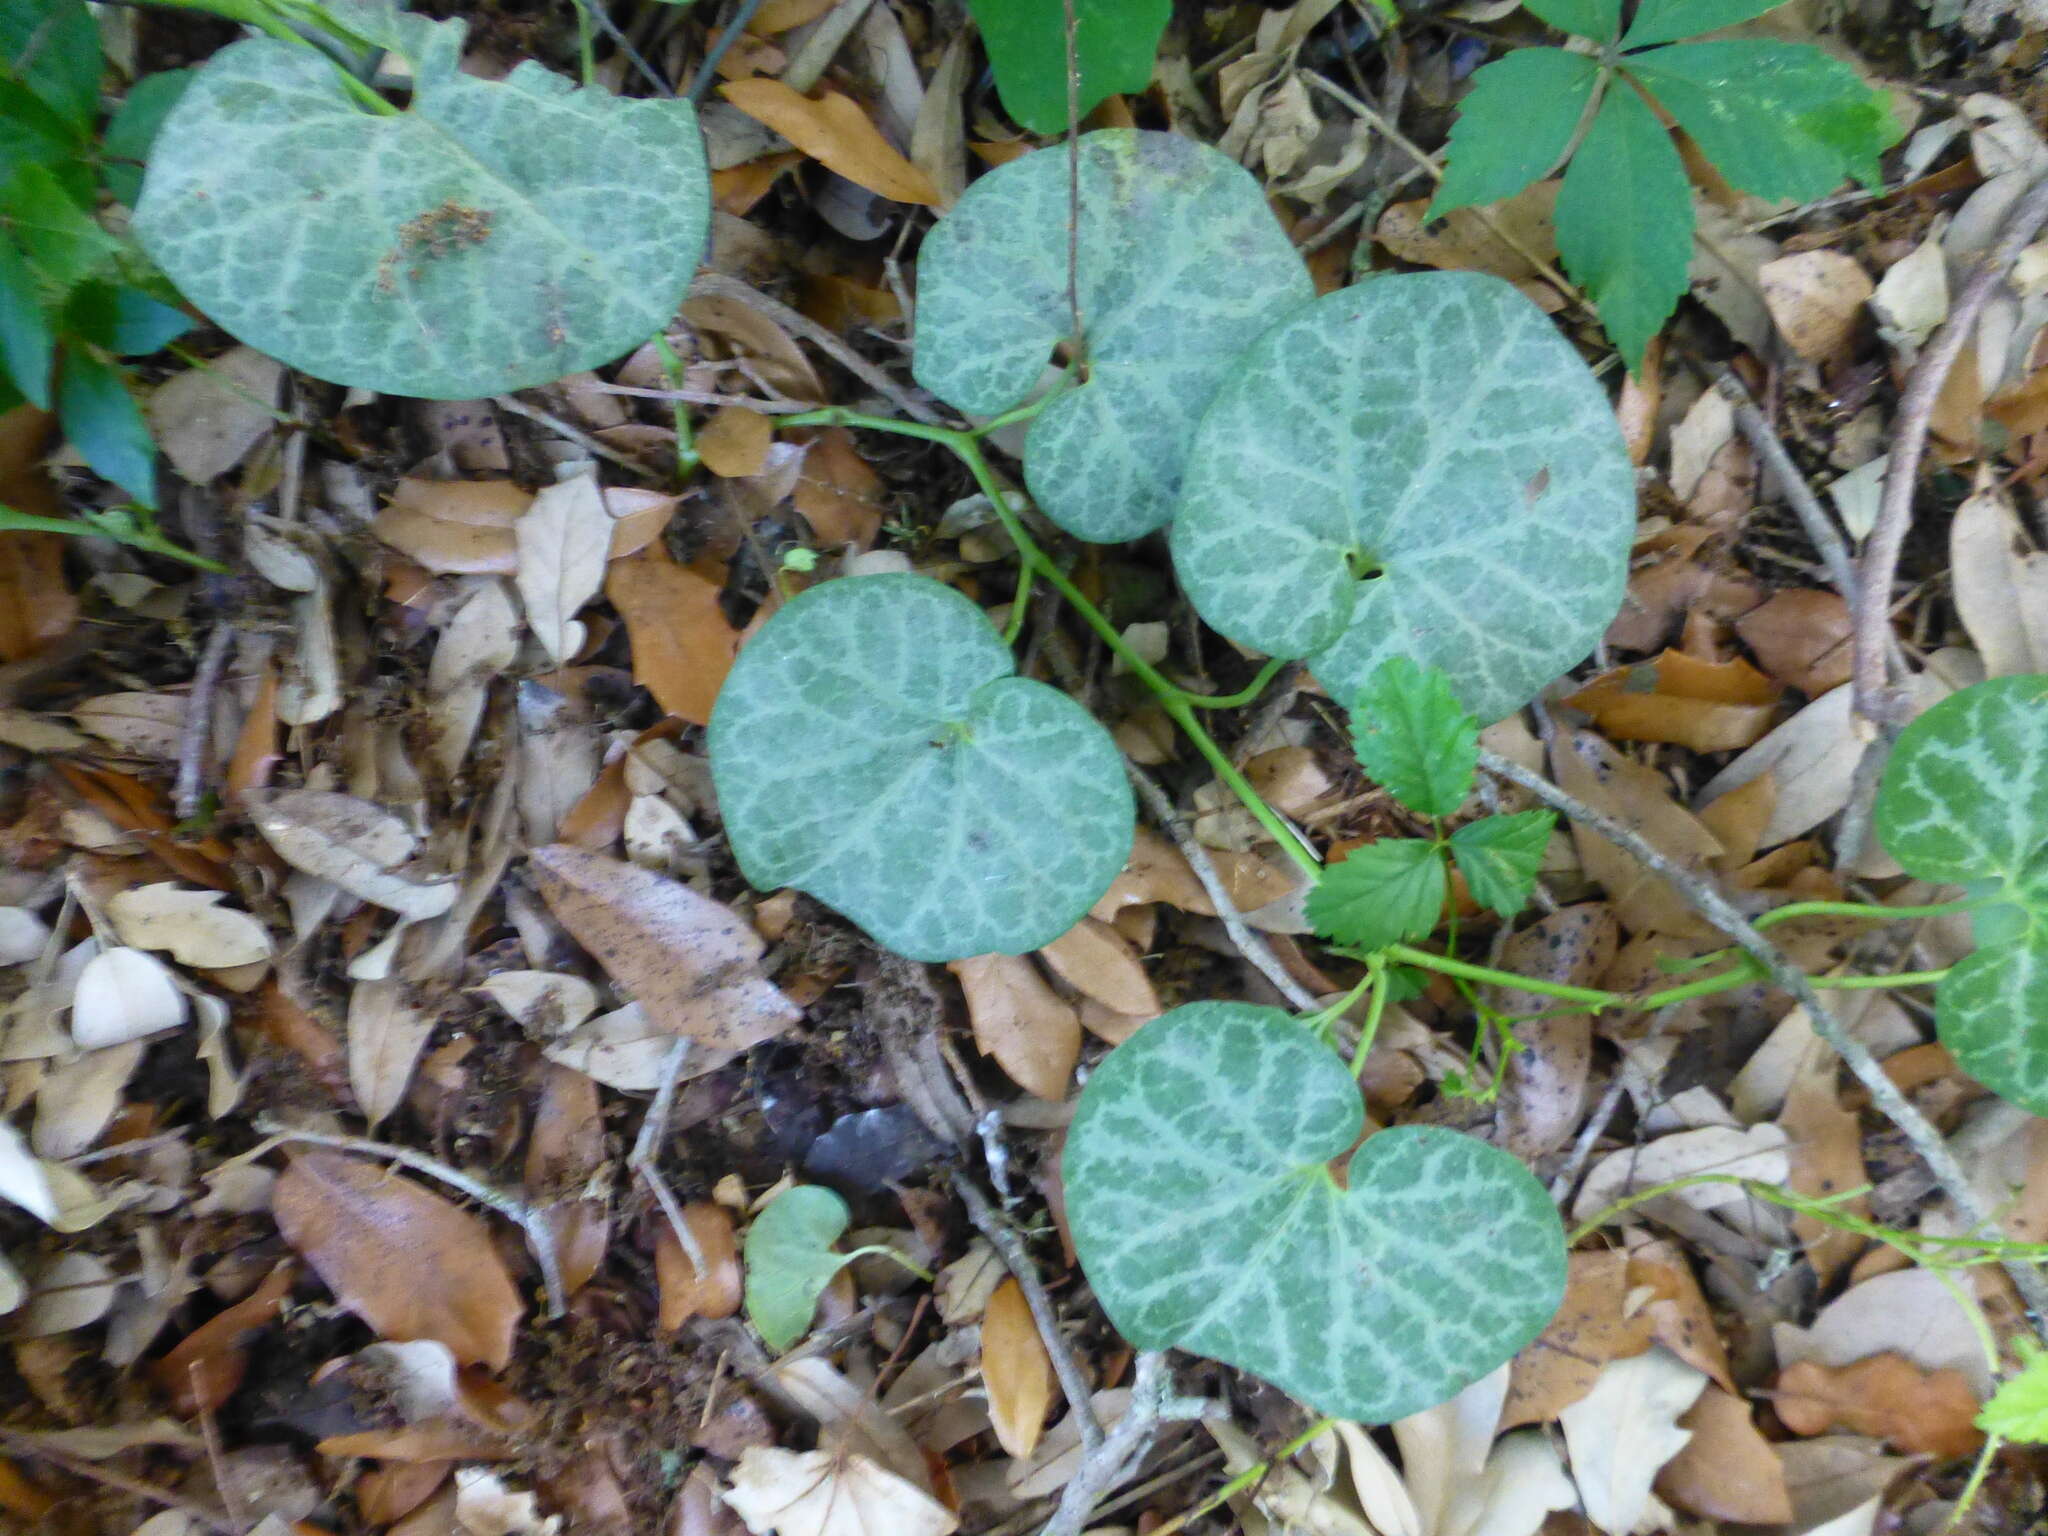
x=1255, y=1473
x=123, y=525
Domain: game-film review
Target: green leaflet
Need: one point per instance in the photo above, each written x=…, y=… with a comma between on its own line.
x=1414, y=737
x=27, y=345
x=1203, y=1209
x=1417, y=466
x=874, y=747
x=59, y=42
x=1380, y=894
x=495, y=236
x=133, y=129
x=1499, y=857
x=1114, y=45
x=1663, y=21
x=1965, y=801
x=1597, y=19
x=59, y=238
x=1516, y=124
x=1181, y=266
x=105, y=425
x=2018, y=1410
x=790, y=1261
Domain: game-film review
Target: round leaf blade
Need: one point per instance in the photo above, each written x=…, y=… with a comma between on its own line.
x=1965, y=795
x=790, y=1260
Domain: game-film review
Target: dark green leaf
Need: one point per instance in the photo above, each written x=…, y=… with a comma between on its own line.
x=54, y=45
x=104, y=424
x=1597, y=19
x=1664, y=21
x=124, y=321
x=1515, y=124
x=26, y=343
x=32, y=134
x=59, y=238
x=1499, y=857
x=1115, y=42
x=133, y=129
x=1777, y=119
x=1380, y=894
x=1414, y=737
x=1624, y=222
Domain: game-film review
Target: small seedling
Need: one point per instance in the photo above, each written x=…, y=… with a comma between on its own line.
x=790, y=1260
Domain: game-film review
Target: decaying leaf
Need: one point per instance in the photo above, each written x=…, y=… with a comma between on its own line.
x=685, y=1293
x=1094, y=959
x=819, y=1493
x=1727, y=1470
x=563, y=540
x=352, y=844
x=1032, y=1032
x=1016, y=1370
x=191, y=925
x=386, y=1032
x=122, y=995
x=683, y=644
x=1931, y=1412
x=1625, y=1429
x=1816, y=298
x=1641, y=799
x=833, y=130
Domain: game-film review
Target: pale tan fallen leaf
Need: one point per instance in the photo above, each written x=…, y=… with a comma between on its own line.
x=76, y=1102
x=1812, y=757
x=622, y=1050
x=1093, y=958
x=1640, y=798
x=2001, y=583
x=1560, y=1365
x=1815, y=297
x=1727, y=1470
x=24, y=1181
x=1930, y=1412
x=558, y=758
x=143, y=724
x=386, y=1032
x=563, y=540
x=1909, y=1312
x=833, y=130
x=1912, y=298
x=73, y=1290
x=818, y=1493
x=122, y=995
x=1756, y=1153
x=1801, y=637
x=1032, y=1032
x=1625, y=1429
x=545, y=1003
x=1015, y=1369
x=735, y=442
x=207, y=419
x=1290, y=779
x=1542, y=1097
x=34, y=734
x=353, y=844
x=480, y=641
x=409, y=1263
x=22, y=935
x=691, y=963
x=683, y=644
x=685, y=1293
x=192, y=925
x=1499, y=239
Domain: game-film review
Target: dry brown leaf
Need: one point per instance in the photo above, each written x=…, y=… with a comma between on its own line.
x=1737, y=821
x=1639, y=798
x=203, y=1369
x=834, y=131
x=1290, y=779
x=36, y=604
x=1812, y=757
x=683, y=645
x=839, y=495
x=685, y=1293
x=409, y=1263
x=1707, y=706
x=691, y=963
x=2000, y=581
x=1016, y=1370
x=1827, y=1158
x=735, y=441
x=386, y=1032
x=1816, y=297
x=1802, y=638
x=1094, y=958
x=142, y=724
x=1543, y=1097
x=1677, y=1311
x=1033, y=1033
x=1471, y=240
x=1728, y=1470
x=1888, y=1396
x=1560, y=1365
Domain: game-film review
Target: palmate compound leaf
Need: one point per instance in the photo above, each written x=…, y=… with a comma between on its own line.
x=874, y=747
x=1114, y=45
x=1417, y=466
x=1203, y=1207
x=1965, y=801
x=494, y=236
x=1181, y=267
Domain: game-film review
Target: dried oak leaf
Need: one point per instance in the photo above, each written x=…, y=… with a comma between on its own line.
x=409, y=1263
x=1883, y=1395
x=691, y=963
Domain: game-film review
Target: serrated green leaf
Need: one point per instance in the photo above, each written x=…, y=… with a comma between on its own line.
x=1777, y=119
x=1515, y=124
x=27, y=344
x=1380, y=894
x=1181, y=266
x=874, y=747
x=1499, y=857
x=1414, y=737
x=133, y=129
x=54, y=45
x=1664, y=21
x=32, y=134
x=121, y=319
x=2018, y=1410
x=1597, y=19
x=1624, y=222
x=494, y=236
x=1115, y=42
x=1417, y=466
x=59, y=238
x=1202, y=1205
x=105, y=425
x=790, y=1261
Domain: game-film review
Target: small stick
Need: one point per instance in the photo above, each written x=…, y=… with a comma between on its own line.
x=195, y=733
x=1820, y=528
x=647, y=1150
x=1010, y=1247
x=1875, y=701
x=576, y=435
x=1103, y=1467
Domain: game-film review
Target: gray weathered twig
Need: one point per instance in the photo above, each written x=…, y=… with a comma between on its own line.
x=1110, y=1462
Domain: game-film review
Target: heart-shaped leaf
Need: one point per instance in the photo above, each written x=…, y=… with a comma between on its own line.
x=495, y=236
x=874, y=747
x=1180, y=266
x=1417, y=466
x=1203, y=1205
x=790, y=1260
x=1965, y=801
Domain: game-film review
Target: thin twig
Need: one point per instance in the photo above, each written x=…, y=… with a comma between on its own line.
x=195, y=732
x=576, y=435
x=1884, y=1094
x=717, y=285
x=1249, y=944
x=78, y=1466
x=1820, y=528
x=647, y=1151
x=1080, y=338
x=1010, y=1248
x=1875, y=700
x=1110, y=1462
x=709, y=397
x=595, y=10
x=730, y=34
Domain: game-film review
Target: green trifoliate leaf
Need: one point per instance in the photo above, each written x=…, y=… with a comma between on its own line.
x=1515, y=125
x=494, y=236
x=1499, y=857
x=27, y=344
x=128, y=323
x=1417, y=466
x=2018, y=1410
x=1777, y=119
x=104, y=424
x=1115, y=42
x=1380, y=894
x=60, y=239
x=55, y=46
x=1203, y=1208
x=1414, y=737
x=790, y=1261
x=1181, y=267
x=1664, y=21
x=1597, y=19
x=874, y=747
x=1624, y=222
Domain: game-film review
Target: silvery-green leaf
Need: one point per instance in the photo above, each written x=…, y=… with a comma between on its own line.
x=1417, y=466
x=1181, y=266
x=1965, y=795
x=1203, y=1207
x=874, y=747
x=494, y=236
x=1991, y=1011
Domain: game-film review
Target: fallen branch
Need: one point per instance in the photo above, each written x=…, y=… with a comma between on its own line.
x=1152, y=1404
